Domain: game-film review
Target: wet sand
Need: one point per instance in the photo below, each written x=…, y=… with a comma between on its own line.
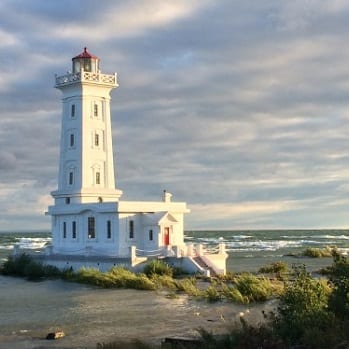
x=89, y=315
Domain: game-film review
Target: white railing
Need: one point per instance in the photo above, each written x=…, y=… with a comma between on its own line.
x=149, y=253
x=201, y=250
x=85, y=76
x=212, y=250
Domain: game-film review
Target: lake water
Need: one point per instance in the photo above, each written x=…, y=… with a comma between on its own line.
x=88, y=315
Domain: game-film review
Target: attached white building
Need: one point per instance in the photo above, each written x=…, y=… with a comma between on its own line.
x=91, y=225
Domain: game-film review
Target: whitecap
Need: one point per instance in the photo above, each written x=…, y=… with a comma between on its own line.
x=6, y=247
x=32, y=243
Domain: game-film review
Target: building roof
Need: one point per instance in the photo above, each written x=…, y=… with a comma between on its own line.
x=159, y=217
x=86, y=54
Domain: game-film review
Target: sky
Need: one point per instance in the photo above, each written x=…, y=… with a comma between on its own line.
x=238, y=107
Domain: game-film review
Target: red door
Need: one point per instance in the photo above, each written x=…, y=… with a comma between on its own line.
x=166, y=236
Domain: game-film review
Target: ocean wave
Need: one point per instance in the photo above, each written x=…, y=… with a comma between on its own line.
x=322, y=237
x=32, y=243
x=334, y=237
x=6, y=247
x=269, y=245
x=241, y=237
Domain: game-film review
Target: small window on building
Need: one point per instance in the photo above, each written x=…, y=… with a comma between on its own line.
x=95, y=110
x=73, y=228
x=67, y=201
x=108, y=229
x=151, y=234
x=98, y=178
x=96, y=139
x=72, y=140
x=131, y=229
x=72, y=112
x=91, y=228
x=64, y=230
x=71, y=178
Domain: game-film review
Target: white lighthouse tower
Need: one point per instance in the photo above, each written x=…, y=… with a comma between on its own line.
x=86, y=169
x=85, y=201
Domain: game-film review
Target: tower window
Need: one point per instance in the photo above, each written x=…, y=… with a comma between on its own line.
x=97, y=140
x=131, y=229
x=95, y=110
x=91, y=228
x=72, y=140
x=71, y=178
x=108, y=229
x=151, y=235
x=72, y=111
x=64, y=230
x=98, y=178
x=73, y=228
x=67, y=201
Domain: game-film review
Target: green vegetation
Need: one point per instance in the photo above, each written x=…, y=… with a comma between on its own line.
x=314, y=252
x=24, y=266
x=277, y=268
x=158, y=267
x=244, y=288
x=253, y=289
x=135, y=344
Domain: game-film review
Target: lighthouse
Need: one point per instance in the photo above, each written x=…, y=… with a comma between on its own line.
x=91, y=225
x=86, y=168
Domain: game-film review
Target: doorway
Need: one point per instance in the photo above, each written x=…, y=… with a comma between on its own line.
x=166, y=236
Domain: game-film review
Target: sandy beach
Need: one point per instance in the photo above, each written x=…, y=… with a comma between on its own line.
x=89, y=315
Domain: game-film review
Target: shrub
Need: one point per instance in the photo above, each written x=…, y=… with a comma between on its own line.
x=140, y=282
x=252, y=288
x=278, y=268
x=15, y=265
x=163, y=281
x=339, y=275
x=188, y=286
x=317, y=252
x=158, y=267
x=303, y=306
x=134, y=344
x=24, y=265
x=232, y=294
x=212, y=294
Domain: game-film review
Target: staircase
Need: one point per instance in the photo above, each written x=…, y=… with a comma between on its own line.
x=204, y=265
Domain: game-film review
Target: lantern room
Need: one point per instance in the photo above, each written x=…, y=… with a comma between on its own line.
x=85, y=61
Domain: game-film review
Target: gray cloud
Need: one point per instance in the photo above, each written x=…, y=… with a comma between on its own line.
x=238, y=108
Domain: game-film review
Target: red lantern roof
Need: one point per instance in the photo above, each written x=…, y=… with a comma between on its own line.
x=86, y=54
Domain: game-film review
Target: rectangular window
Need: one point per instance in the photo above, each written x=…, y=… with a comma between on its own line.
x=151, y=235
x=72, y=140
x=91, y=228
x=98, y=178
x=64, y=230
x=108, y=229
x=73, y=228
x=97, y=140
x=131, y=229
x=95, y=110
x=71, y=178
x=72, y=112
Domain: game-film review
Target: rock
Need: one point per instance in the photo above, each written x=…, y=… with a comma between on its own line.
x=55, y=335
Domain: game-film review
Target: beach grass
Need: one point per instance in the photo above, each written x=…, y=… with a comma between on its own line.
x=314, y=252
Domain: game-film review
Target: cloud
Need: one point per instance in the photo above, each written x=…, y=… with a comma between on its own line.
x=238, y=108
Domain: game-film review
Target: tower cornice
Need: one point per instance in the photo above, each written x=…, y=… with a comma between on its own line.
x=87, y=77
